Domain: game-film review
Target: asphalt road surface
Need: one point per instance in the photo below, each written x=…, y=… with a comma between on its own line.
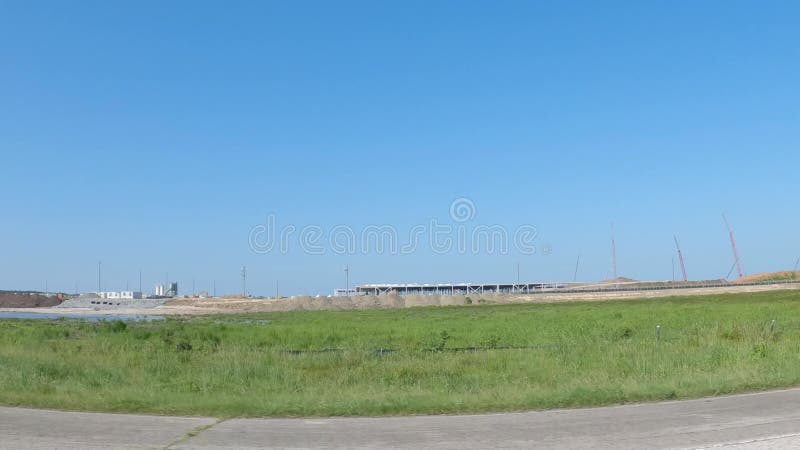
x=768, y=420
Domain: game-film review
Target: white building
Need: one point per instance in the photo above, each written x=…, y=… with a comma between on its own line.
x=166, y=290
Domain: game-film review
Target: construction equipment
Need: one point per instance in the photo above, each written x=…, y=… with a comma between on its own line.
x=736, y=262
x=680, y=259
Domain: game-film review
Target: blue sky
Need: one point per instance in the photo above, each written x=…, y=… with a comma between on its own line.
x=155, y=135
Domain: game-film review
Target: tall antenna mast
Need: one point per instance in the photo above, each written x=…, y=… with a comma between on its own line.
x=736, y=262
x=577, y=263
x=680, y=259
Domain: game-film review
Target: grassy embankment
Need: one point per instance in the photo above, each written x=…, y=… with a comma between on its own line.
x=440, y=360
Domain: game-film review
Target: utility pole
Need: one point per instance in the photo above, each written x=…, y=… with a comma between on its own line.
x=613, y=253
x=277, y=290
x=347, y=279
x=214, y=288
x=244, y=281
x=192, y=286
x=577, y=263
x=140, y=280
x=99, y=276
x=673, y=269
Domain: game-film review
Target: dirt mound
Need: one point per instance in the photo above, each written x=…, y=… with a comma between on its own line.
x=619, y=280
x=784, y=275
x=26, y=300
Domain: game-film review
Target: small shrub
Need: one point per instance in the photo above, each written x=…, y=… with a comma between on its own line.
x=438, y=342
x=211, y=339
x=141, y=334
x=468, y=301
x=734, y=334
x=167, y=334
x=759, y=350
x=184, y=346
x=115, y=326
x=492, y=341
x=719, y=356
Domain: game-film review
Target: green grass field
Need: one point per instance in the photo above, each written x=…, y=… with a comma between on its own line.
x=422, y=360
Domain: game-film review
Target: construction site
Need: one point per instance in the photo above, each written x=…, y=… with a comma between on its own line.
x=166, y=300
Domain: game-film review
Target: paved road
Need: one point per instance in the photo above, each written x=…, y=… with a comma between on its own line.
x=769, y=420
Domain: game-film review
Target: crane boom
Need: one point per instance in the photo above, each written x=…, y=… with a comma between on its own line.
x=680, y=259
x=733, y=247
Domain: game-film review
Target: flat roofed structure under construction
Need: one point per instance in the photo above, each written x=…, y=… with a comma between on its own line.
x=457, y=288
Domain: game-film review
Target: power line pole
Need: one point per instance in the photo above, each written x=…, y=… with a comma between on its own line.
x=214, y=288
x=673, y=269
x=244, y=281
x=347, y=279
x=140, y=280
x=577, y=263
x=99, y=276
x=613, y=253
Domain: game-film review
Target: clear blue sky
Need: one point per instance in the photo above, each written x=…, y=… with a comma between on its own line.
x=157, y=134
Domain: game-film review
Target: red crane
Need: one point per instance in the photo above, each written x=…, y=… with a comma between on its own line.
x=733, y=247
x=680, y=258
